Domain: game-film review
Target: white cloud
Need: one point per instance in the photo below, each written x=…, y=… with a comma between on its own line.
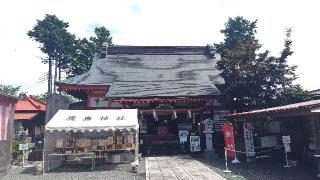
x=163, y=22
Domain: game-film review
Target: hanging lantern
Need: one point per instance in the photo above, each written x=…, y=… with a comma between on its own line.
x=155, y=116
x=175, y=114
x=189, y=115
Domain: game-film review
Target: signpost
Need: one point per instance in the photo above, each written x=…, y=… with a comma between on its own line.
x=208, y=130
x=23, y=148
x=286, y=142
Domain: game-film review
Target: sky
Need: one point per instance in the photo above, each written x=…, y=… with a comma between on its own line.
x=157, y=22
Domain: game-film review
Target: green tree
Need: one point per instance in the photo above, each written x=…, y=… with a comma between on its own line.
x=55, y=41
x=295, y=94
x=10, y=90
x=102, y=35
x=42, y=97
x=64, y=50
x=253, y=80
x=85, y=49
x=82, y=57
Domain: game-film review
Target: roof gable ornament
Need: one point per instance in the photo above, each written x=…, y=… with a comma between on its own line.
x=104, y=50
x=210, y=50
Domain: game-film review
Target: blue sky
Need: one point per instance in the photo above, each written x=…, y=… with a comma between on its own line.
x=157, y=22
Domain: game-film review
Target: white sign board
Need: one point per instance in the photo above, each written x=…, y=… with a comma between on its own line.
x=286, y=139
x=23, y=147
x=208, y=128
x=195, y=144
x=287, y=147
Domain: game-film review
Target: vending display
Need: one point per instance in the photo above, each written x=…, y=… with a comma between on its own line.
x=195, y=144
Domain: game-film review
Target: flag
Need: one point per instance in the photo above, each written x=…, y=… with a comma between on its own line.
x=4, y=118
x=229, y=139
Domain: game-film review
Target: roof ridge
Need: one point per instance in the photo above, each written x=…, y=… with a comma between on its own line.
x=158, y=50
x=37, y=99
x=31, y=100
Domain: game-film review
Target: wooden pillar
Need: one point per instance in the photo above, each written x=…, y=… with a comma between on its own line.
x=316, y=128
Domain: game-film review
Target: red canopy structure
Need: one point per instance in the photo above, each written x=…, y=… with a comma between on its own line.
x=29, y=115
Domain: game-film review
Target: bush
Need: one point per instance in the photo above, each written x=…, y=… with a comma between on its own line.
x=15, y=148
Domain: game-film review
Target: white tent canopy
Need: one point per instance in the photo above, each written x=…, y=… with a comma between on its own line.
x=94, y=120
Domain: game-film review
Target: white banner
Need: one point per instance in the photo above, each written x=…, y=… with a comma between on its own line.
x=248, y=138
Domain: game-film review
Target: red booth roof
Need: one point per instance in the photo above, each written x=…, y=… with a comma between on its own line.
x=25, y=116
x=29, y=103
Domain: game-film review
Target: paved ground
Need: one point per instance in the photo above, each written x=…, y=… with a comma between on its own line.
x=178, y=167
x=263, y=169
x=101, y=172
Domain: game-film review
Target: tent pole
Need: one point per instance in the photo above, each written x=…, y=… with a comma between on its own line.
x=136, y=152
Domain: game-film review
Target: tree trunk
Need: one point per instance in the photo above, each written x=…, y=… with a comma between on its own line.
x=59, y=74
x=55, y=75
x=50, y=76
x=59, y=78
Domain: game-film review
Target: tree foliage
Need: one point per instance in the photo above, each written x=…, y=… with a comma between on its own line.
x=10, y=90
x=42, y=97
x=254, y=79
x=102, y=36
x=55, y=41
x=63, y=49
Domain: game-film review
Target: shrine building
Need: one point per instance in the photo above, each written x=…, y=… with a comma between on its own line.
x=173, y=87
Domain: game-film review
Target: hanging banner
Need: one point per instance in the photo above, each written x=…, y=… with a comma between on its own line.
x=248, y=139
x=229, y=139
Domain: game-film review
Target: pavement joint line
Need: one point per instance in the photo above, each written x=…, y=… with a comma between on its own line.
x=213, y=172
x=187, y=172
x=159, y=167
x=147, y=169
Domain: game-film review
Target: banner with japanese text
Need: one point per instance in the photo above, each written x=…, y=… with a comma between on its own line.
x=229, y=139
x=248, y=139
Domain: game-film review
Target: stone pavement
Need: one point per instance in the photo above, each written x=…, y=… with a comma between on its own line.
x=178, y=167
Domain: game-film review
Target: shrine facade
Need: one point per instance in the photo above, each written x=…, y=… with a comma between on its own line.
x=173, y=87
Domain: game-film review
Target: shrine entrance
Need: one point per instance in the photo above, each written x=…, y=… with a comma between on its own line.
x=161, y=133
x=162, y=137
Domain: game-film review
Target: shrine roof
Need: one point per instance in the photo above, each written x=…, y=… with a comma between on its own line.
x=153, y=71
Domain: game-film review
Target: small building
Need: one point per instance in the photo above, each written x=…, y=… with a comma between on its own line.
x=300, y=121
x=173, y=87
x=29, y=118
x=7, y=107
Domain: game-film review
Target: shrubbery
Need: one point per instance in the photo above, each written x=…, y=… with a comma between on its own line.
x=15, y=148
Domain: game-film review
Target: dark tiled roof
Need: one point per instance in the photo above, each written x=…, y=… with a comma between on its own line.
x=315, y=92
x=286, y=108
x=133, y=71
x=158, y=50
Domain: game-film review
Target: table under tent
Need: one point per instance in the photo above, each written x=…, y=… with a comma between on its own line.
x=91, y=137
